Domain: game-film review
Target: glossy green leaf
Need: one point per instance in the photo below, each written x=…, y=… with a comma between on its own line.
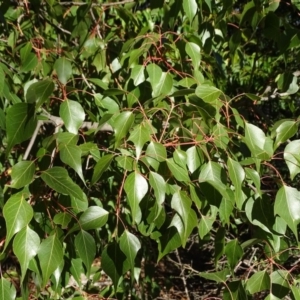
x=63, y=69
x=26, y=244
x=94, y=217
x=236, y=173
x=285, y=131
x=205, y=225
x=138, y=74
x=58, y=179
x=17, y=213
x=207, y=93
x=234, y=253
x=194, y=52
x=163, y=86
x=158, y=184
x=20, y=124
x=130, y=245
x=50, y=256
x=22, y=174
x=122, y=125
x=86, y=247
x=76, y=269
x=7, y=290
x=136, y=187
x=254, y=176
x=226, y=209
x=72, y=114
x=180, y=173
x=155, y=154
x=28, y=59
x=101, y=166
x=181, y=203
x=114, y=262
x=291, y=153
x=39, y=92
x=258, y=282
x=71, y=155
x=194, y=158
x=139, y=136
x=287, y=206
x=190, y=8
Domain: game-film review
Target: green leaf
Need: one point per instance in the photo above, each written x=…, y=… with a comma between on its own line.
x=234, y=290
x=236, y=173
x=86, y=247
x=76, y=269
x=122, y=125
x=63, y=219
x=138, y=74
x=22, y=174
x=169, y=241
x=136, y=187
x=155, y=154
x=20, y=124
x=287, y=206
x=291, y=153
x=234, y=253
x=218, y=277
x=101, y=166
x=207, y=93
x=71, y=155
x=259, y=281
x=194, y=52
x=190, y=8
x=7, y=290
x=254, y=176
x=194, y=158
x=213, y=173
x=181, y=203
x=50, y=255
x=58, y=179
x=130, y=245
x=72, y=114
x=17, y=214
x=39, y=92
x=180, y=173
x=26, y=244
x=63, y=69
x=28, y=59
x=163, y=86
x=158, y=184
x=205, y=225
x=113, y=262
x=139, y=136
x=2, y=81
x=94, y=217
x=285, y=131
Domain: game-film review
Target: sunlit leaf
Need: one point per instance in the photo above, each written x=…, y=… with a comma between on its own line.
x=22, y=174
x=7, y=289
x=63, y=69
x=258, y=282
x=208, y=93
x=101, y=166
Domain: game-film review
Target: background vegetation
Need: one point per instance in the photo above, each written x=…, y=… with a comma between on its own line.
x=149, y=149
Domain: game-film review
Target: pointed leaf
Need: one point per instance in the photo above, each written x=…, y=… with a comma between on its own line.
x=50, y=255
x=130, y=245
x=94, y=217
x=39, y=92
x=58, y=179
x=219, y=277
x=234, y=253
x=20, y=124
x=139, y=136
x=72, y=114
x=168, y=242
x=190, y=8
x=155, y=154
x=101, y=166
x=63, y=69
x=136, y=187
x=7, y=290
x=207, y=93
x=287, y=206
x=71, y=155
x=158, y=184
x=63, y=219
x=122, y=124
x=22, y=174
x=86, y=247
x=285, y=131
x=26, y=244
x=181, y=174
x=194, y=52
x=236, y=173
x=258, y=282
x=163, y=86
x=138, y=74
x=291, y=153
x=205, y=225
x=17, y=214
x=194, y=158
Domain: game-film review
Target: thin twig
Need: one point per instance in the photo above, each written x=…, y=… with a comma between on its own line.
x=182, y=275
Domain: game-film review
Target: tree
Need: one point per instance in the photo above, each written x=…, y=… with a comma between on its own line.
x=129, y=127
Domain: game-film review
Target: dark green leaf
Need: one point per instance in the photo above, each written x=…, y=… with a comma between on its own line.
x=234, y=253
x=22, y=174
x=63, y=69
x=39, y=92
x=101, y=166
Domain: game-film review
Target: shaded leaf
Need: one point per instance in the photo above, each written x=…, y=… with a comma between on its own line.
x=258, y=282
x=234, y=253
x=39, y=92
x=139, y=136
x=63, y=69
x=158, y=184
x=101, y=166
x=218, y=277
x=122, y=124
x=169, y=241
x=180, y=173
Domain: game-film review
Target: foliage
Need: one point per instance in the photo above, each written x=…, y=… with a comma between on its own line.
x=127, y=128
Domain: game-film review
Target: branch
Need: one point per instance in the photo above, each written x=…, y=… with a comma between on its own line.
x=97, y=4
